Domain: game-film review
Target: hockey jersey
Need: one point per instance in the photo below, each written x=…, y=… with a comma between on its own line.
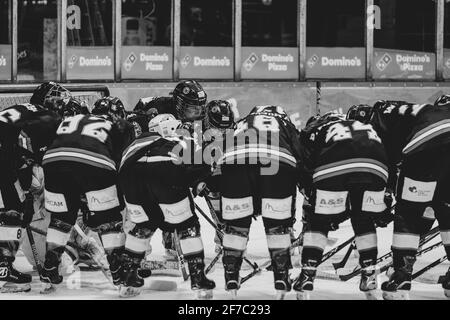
x=342, y=146
x=150, y=147
x=91, y=140
x=26, y=131
x=157, y=105
x=265, y=135
x=410, y=128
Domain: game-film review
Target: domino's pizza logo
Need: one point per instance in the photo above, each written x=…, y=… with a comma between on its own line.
x=72, y=61
x=384, y=62
x=251, y=61
x=130, y=61
x=313, y=61
x=186, y=60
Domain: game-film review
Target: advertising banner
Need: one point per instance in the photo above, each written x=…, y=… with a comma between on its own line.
x=5, y=62
x=335, y=63
x=269, y=63
x=142, y=62
x=207, y=63
x=400, y=64
x=90, y=63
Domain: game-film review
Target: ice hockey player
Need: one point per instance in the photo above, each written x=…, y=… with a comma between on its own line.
x=349, y=172
x=25, y=133
x=156, y=179
x=259, y=177
x=186, y=103
x=82, y=161
x=417, y=137
x=219, y=121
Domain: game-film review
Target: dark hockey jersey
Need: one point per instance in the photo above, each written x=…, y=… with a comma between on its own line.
x=265, y=135
x=152, y=148
x=343, y=146
x=26, y=131
x=91, y=140
x=157, y=105
x=410, y=128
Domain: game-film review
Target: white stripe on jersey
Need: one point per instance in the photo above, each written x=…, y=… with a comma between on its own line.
x=273, y=152
x=79, y=156
x=427, y=134
x=352, y=167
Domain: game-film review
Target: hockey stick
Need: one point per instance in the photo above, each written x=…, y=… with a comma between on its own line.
x=180, y=256
x=214, y=261
x=433, y=233
x=34, y=251
x=102, y=268
x=341, y=264
x=429, y=267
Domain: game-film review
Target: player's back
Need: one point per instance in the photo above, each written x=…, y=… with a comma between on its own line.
x=266, y=134
x=86, y=139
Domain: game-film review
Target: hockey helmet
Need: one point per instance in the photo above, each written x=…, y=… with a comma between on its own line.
x=443, y=100
x=190, y=100
x=219, y=115
x=50, y=95
x=110, y=106
x=164, y=124
x=73, y=107
x=362, y=113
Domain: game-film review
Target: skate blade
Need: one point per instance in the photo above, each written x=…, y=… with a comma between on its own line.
x=371, y=295
x=48, y=288
x=304, y=295
x=397, y=295
x=129, y=292
x=233, y=294
x=204, y=295
x=281, y=295
x=15, y=288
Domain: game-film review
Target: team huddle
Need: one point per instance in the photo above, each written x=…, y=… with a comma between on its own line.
x=144, y=168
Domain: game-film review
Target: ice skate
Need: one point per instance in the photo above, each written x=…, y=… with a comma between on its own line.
x=446, y=284
x=14, y=281
x=132, y=282
x=232, y=264
x=50, y=279
x=199, y=282
x=304, y=285
x=369, y=282
x=399, y=284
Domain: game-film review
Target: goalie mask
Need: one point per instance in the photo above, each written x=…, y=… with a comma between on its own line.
x=165, y=125
x=50, y=95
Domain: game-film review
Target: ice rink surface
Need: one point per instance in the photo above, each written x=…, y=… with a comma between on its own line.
x=92, y=285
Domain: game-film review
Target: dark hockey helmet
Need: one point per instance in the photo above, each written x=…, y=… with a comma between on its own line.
x=362, y=113
x=219, y=115
x=50, y=95
x=443, y=100
x=190, y=100
x=73, y=107
x=110, y=106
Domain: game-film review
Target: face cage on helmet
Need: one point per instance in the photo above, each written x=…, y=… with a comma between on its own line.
x=190, y=112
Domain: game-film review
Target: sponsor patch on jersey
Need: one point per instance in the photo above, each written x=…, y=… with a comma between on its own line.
x=55, y=202
x=373, y=201
x=331, y=202
x=277, y=209
x=177, y=212
x=418, y=191
x=102, y=200
x=235, y=209
x=136, y=213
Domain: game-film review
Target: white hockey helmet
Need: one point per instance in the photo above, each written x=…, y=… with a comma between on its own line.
x=164, y=124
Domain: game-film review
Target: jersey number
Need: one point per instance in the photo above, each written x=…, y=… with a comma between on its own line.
x=97, y=130
x=338, y=132
x=9, y=116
